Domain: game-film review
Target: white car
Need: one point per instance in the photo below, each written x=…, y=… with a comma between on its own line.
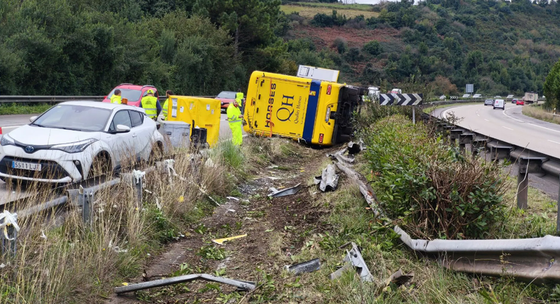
x=71, y=140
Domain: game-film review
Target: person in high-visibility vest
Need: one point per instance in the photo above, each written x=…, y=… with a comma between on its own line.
x=116, y=98
x=235, y=119
x=165, y=109
x=151, y=104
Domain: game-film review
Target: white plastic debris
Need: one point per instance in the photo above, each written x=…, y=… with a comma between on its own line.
x=8, y=219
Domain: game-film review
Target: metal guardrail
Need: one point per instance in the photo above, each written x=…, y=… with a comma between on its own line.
x=45, y=99
x=529, y=161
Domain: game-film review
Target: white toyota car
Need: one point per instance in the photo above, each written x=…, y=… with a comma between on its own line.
x=72, y=140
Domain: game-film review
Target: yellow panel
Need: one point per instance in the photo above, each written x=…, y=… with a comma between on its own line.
x=198, y=112
x=328, y=100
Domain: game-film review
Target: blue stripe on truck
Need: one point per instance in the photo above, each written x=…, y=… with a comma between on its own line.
x=311, y=112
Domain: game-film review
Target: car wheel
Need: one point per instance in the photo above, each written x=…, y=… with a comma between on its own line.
x=100, y=166
x=493, y=108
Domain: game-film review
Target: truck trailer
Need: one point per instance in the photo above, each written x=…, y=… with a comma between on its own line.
x=531, y=97
x=310, y=111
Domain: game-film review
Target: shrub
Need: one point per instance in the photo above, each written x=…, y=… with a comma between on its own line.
x=434, y=191
x=340, y=44
x=372, y=48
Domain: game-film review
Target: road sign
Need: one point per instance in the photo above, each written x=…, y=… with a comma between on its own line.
x=470, y=88
x=400, y=99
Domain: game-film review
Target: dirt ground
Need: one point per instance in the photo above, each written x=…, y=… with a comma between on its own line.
x=275, y=230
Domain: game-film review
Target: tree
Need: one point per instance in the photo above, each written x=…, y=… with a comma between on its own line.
x=551, y=87
x=373, y=48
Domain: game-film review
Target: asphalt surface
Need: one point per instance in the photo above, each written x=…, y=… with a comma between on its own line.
x=9, y=122
x=511, y=126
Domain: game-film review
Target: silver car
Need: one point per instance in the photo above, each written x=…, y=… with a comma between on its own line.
x=71, y=140
x=488, y=102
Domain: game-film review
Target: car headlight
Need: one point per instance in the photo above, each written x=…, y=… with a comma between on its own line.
x=7, y=141
x=74, y=147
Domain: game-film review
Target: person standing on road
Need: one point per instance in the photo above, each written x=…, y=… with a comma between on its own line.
x=165, y=109
x=235, y=120
x=151, y=105
x=116, y=98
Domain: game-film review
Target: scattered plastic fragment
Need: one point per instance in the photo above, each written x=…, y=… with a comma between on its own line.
x=284, y=192
x=221, y=241
x=328, y=181
x=309, y=266
x=354, y=259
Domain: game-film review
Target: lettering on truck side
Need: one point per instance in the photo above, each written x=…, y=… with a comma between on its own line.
x=286, y=110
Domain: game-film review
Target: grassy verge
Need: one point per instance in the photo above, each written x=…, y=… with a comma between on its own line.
x=308, y=10
x=14, y=108
x=435, y=107
x=537, y=111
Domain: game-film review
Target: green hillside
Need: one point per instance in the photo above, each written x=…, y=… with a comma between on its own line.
x=502, y=48
x=202, y=47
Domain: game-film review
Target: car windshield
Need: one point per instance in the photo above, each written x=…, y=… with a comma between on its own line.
x=74, y=117
x=129, y=94
x=226, y=94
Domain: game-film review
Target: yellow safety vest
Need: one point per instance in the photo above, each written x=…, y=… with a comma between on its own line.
x=239, y=98
x=116, y=99
x=164, y=110
x=149, y=103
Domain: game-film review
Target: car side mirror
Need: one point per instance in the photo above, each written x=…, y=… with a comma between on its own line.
x=122, y=129
x=32, y=118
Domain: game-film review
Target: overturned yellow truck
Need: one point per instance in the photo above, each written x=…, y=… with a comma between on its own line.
x=313, y=111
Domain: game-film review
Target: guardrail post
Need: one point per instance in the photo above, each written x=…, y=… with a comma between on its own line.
x=558, y=213
x=87, y=206
x=137, y=177
x=527, y=164
x=8, y=233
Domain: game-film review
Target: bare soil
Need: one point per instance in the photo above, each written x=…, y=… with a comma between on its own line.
x=275, y=228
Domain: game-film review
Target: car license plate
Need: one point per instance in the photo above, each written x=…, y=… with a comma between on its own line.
x=26, y=166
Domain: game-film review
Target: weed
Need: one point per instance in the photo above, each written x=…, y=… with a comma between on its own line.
x=211, y=252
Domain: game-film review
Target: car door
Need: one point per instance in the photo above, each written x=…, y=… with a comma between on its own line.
x=142, y=132
x=121, y=144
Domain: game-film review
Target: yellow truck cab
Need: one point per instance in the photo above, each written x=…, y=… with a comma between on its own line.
x=313, y=111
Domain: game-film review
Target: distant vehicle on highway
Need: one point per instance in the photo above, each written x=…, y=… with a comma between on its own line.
x=76, y=140
x=132, y=92
x=488, y=102
x=520, y=102
x=225, y=98
x=499, y=103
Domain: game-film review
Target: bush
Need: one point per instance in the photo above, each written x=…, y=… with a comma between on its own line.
x=433, y=189
x=340, y=44
x=372, y=48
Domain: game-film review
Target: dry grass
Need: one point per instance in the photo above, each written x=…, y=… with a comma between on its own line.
x=310, y=12
x=61, y=259
x=536, y=111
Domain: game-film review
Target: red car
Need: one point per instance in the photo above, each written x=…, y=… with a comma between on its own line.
x=520, y=102
x=226, y=97
x=132, y=92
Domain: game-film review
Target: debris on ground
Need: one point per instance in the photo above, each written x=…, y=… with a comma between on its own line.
x=242, y=285
x=221, y=241
x=398, y=278
x=284, y=192
x=356, y=147
x=339, y=156
x=354, y=259
x=309, y=266
x=328, y=181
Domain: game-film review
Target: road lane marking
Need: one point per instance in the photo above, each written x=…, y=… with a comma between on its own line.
x=518, y=120
x=486, y=119
x=507, y=128
x=532, y=124
x=554, y=141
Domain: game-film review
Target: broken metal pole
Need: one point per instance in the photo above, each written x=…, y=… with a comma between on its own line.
x=365, y=189
x=243, y=285
x=522, y=188
x=285, y=192
x=354, y=257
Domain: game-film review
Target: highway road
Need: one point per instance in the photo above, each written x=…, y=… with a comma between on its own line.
x=508, y=125
x=9, y=122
